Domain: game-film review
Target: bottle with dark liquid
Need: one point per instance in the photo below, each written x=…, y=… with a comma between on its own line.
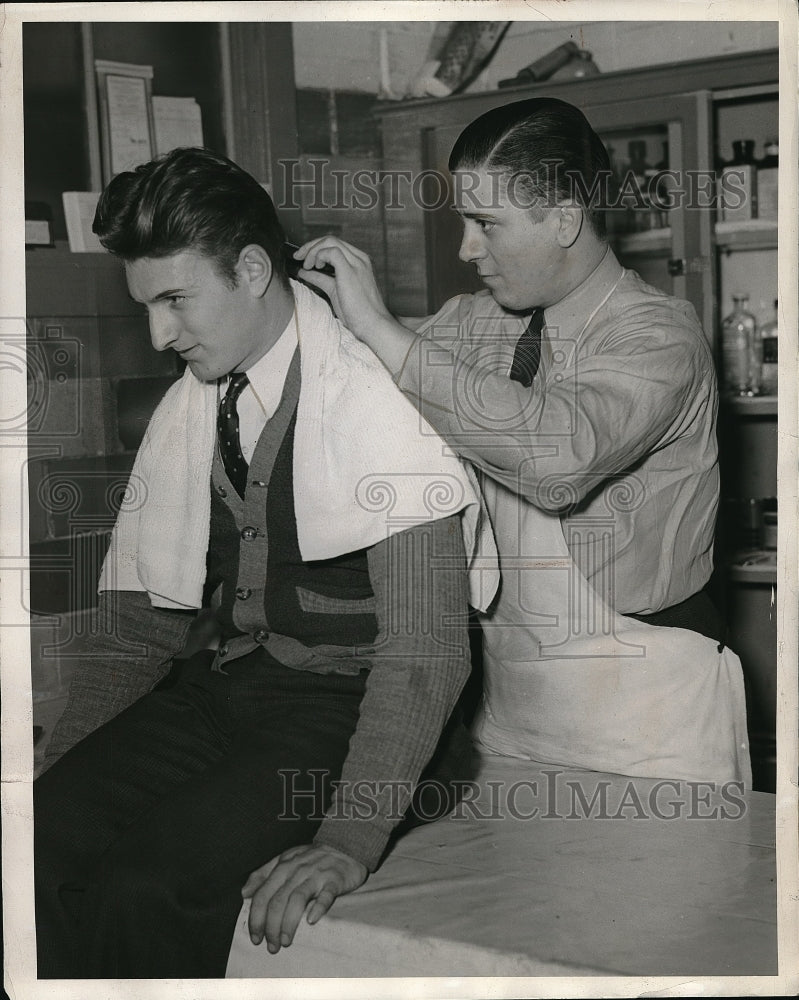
x=739, y=183
x=743, y=151
x=768, y=370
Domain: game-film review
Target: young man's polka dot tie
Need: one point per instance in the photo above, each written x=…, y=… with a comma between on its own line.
x=227, y=430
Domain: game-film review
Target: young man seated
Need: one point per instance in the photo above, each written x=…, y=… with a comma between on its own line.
x=287, y=476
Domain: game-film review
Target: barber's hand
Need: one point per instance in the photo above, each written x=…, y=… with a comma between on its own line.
x=353, y=291
x=356, y=299
x=282, y=889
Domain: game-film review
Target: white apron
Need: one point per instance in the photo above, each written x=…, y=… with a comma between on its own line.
x=569, y=681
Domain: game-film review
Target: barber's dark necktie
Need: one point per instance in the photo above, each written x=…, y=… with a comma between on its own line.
x=227, y=429
x=527, y=357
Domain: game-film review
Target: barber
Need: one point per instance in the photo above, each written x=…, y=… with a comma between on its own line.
x=580, y=392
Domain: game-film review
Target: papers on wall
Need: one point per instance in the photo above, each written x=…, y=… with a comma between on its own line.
x=130, y=134
x=135, y=125
x=79, y=209
x=178, y=122
x=124, y=91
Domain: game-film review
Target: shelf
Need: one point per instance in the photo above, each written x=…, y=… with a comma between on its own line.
x=737, y=94
x=60, y=254
x=756, y=234
x=757, y=566
x=751, y=406
x=652, y=241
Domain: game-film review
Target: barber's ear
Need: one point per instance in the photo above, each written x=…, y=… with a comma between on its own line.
x=570, y=223
x=254, y=269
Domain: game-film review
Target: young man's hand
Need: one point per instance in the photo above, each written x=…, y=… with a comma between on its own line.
x=282, y=889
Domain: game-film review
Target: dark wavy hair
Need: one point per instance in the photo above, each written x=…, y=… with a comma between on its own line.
x=548, y=147
x=189, y=199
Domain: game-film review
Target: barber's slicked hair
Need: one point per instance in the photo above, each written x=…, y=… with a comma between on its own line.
x=549, y=148
x=189, y=199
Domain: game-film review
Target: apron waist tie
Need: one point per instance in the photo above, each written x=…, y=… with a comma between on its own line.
x=697, y=613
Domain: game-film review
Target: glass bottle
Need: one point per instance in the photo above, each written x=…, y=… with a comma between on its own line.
x=768, y=369
x=662, y=198
x=653, y=218
x=743, y=151
x=771, y=154
x=739, y=183
x=738, y=347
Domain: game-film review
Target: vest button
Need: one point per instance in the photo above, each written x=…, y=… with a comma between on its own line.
x=223, y=650
x=221, y=491
x=258, y=482
x=261, y=635
x=243, y=593
x=249, y=533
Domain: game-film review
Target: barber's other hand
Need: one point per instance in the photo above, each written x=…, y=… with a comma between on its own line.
x=353, y=291
x=282, y=889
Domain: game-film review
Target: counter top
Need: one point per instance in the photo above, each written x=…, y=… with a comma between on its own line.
x=555, y=872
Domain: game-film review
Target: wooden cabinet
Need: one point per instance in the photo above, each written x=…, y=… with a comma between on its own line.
x=416, y=136
x=686, y=115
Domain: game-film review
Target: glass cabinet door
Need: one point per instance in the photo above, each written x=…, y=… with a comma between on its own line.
x=660, y=221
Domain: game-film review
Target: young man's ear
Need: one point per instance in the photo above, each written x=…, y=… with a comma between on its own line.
x=570, y=223
x=254, y=269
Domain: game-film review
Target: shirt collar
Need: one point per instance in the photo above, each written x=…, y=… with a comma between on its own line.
x=571, y=315
x=268, y=375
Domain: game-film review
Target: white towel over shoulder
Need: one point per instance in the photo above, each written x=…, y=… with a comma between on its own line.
x=366, y=465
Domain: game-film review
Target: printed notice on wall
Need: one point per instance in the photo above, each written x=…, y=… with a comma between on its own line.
x=128, y=122
x=178, y=123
